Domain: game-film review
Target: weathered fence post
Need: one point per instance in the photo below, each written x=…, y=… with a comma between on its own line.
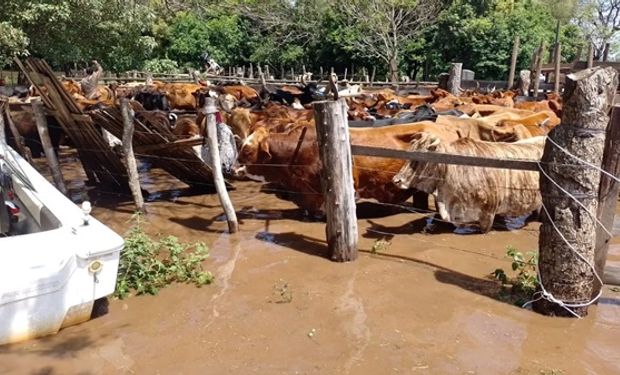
x=539, y=64
x=345, y=74
x=454, y=79
x=320, y=73
x=524, y=82
x=557, y=73
x=2, y=124
x=218, y=177
x=50, y=155
x=607, y=193
x=590, y=62
x=568, y=231
x=19, y=140
x=129, y=158
x=513, y=62
x=251, y=76
x=337, y=178
x=267, y=71
x=372, y=76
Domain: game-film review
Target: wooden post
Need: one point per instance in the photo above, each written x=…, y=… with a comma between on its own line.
x=590, y=62
x=608, y=193
x=513, y=62
x=292, y=74
x=372, y=76
x=606, y=51
x=50, y=154
x=345, y=74
x=218, y=177
x=251, y=76
x=588, y=96
x=321, y=73
x=3, y=138
x=524, y=82
x=303, y=69
x=267, y=71
x=19, y=140
x=539, y=63
x=128, y=156
x=454, y=79
x=337, y=178
x=556, y=73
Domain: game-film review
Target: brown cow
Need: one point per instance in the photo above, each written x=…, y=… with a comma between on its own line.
x=272, y=156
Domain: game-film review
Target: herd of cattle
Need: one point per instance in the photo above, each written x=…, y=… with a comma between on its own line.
x=269, y=134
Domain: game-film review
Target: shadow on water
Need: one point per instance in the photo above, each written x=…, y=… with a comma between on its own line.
x=49, y=370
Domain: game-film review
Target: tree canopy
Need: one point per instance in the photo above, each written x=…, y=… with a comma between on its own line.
x=397, y=36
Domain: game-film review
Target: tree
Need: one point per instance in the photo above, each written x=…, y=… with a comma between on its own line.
x=13, y=42
x=599, y=20
x=380, y=28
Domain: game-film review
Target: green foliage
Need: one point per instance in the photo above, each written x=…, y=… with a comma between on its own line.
x=130, y=34
x=13, y=42
x=521, y=287
x=147, y=265
x=160, y=66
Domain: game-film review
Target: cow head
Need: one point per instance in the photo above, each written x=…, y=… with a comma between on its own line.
x=255, y=148
x=240, y=122
x=420, y=175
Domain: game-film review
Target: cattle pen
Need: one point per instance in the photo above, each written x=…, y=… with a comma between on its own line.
x=160, y=146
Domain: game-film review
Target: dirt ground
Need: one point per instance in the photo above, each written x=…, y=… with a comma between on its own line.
x=423, y=304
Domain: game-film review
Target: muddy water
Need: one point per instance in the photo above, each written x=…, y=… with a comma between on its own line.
x=278, y=306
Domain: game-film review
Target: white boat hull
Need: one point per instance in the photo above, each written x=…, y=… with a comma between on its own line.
x=50, y=279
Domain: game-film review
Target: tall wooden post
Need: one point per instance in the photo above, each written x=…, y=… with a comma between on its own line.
x=606, y=51
x=3, y=138
x=590, y=62
x=556, y=73
x=454, y=79
x=128, y=156
x=321, y=73
x=513, y=62
x=568, y=231
x=345, y=74
x=218, y=177
x=337, y=178
x=372, y=76
x=50, y=154
x=292, y=74
x=251, y=76
x=608, y=193
x=524, y=82
x=267, y=71
x=19, y=140
x=539, y=64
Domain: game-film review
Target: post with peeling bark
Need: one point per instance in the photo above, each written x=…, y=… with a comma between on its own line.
x=337, y=178
x=513, y=62
x=590, y=62
x=454, y=79
x=539, y=64
x=218, y=177
x=523, y=85
x=556, y=74
x=568, y=232
x=50, y=154
x=2, y=124
x=19, y=140
x=372, y=76
x=129, y=157
x=608, y=196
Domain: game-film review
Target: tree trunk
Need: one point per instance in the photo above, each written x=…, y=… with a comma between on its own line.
x=568, y=231
x=606, y=51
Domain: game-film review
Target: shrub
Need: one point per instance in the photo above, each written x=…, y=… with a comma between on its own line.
x=147, y=265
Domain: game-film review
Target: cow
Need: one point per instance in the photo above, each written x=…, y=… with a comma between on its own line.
x=277, y=159
x=466, y=195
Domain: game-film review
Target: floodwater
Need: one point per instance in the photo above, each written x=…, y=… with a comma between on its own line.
x=421, y=304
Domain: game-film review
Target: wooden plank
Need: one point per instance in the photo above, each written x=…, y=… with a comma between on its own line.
x=437, y=157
